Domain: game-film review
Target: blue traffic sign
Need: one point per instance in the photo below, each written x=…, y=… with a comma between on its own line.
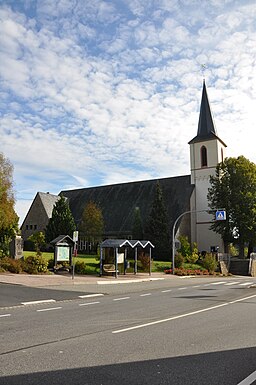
x=220, y=215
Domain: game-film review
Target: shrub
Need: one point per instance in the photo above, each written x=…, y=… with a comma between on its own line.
x=13, y=265
x=144, y=260
x=209, y=262
x=179, y=260
x=80, y=267
x=35, y=265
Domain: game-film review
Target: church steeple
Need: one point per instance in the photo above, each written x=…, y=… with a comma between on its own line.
x=206, y=128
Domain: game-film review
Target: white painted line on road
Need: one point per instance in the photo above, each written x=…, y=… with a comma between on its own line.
x=231, y=283
x=166, y=291
x=37, y=302
x=90, y=295
x=5, y=315
x=89, y=303
x=181, y=316
x=121, y=299
x=218, y=283
x=245, y=284
x=182, y=288
x=248, y=380
x=196, y=286
x=145, y=295
x=49, y=309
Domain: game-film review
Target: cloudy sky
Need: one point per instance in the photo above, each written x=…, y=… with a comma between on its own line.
x=98, y=92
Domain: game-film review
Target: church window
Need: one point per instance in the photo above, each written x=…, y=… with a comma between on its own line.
x=203, y=156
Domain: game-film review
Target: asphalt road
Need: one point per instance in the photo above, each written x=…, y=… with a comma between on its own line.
x=194, y=332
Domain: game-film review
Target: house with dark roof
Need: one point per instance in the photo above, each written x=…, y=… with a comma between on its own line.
x=184, y=196
x=38, y=214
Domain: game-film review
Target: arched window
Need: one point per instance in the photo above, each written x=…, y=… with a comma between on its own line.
x=203, y=156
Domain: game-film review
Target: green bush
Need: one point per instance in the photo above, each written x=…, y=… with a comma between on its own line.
x=179, y=260
x=80, y=267
x=209, y=263
x=35, y=265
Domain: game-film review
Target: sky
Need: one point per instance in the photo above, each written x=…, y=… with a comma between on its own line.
x=100, y=92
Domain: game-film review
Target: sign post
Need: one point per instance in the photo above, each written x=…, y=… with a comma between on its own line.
x=75, y=239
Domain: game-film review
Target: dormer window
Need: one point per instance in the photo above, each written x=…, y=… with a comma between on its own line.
x=203, y=156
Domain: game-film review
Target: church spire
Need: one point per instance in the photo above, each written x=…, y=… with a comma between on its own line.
x=206, y=128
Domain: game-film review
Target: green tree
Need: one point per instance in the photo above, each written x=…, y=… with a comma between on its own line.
x=234, y=188
x=92, y=223
x=61, y=222
x=137, y=228
x=38, y=240
x=157, y=227
x=8, y=217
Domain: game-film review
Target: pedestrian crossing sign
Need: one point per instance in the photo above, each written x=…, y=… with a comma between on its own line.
x=220, y=215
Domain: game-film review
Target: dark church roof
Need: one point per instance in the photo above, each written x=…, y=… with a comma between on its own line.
x=119, y=201
x=206, y=128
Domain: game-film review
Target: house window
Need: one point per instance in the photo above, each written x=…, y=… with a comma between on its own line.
x=35, y=227
x=203, y=156
x=31, y=227
x=26, y=227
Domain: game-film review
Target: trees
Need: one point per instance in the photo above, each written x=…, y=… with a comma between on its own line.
x=137, y=228
x=38, y=240
x=157, y=226
x=61, y=222
x=8, y=217
x=234, y=188
x=92, y=223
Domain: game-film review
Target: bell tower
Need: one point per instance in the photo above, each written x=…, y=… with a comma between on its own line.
x=206, y=151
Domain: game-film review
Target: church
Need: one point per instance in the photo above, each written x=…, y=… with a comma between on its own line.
x=185, y=196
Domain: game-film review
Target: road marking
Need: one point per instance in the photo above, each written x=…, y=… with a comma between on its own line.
x=49, y=309
x=248, y=380
x=181, y=316
x=145, y=295
x=218, y=283
x=166, y=291
x=196, y=286
x=89, y=303
x=5, y=315
x=90, y=295
x=182, y=288
x=245, y=284
x=37, y=302
x=231, y=283
x=121, y=299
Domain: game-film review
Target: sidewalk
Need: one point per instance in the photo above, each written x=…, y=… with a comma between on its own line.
x=66, y=279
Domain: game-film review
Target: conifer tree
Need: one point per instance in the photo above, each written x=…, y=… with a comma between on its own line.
x=137, y=228
x=157, y=227
x=61, y=222
x=92, y=223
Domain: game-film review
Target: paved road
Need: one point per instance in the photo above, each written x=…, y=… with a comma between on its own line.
x=194, y=332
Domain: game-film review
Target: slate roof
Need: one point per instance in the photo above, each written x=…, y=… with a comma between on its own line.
x=48, y=201
x=206, y=127
x=118, y=201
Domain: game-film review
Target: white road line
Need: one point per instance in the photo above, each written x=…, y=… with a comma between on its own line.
x=248, y=380
x=49, y=309
x=89, y=303
x=231, y=283
x=5, y=315
x=181, y=316
x=145, y=295
x=37, y=302
x=182, y=288
x=166, y=291
x=121, y=299
x=196, y=286
x=90, y=295
x=218, y=283
x=245, y=284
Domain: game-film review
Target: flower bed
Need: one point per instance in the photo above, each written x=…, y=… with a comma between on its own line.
x=183, y=271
